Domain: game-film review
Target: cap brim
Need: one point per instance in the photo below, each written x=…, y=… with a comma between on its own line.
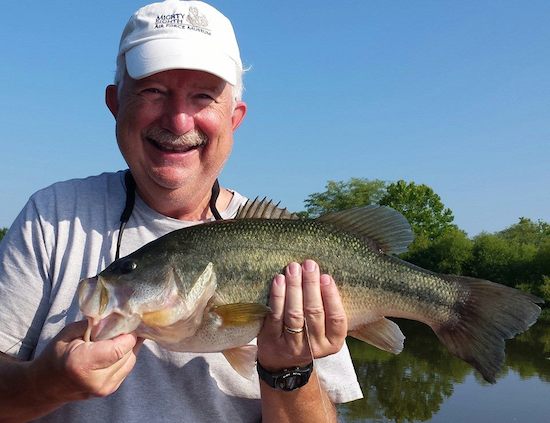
x=160, y=55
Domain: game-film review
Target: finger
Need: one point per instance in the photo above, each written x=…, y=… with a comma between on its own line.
x=294, y=306
x=313, y=301
x=72, y=331
x=114, y=375
x=109, y=351
x=335, y=315
x=122, y=373
x=122, y=363
x=273, y=324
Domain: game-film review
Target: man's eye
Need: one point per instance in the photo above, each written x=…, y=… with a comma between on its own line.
x=152, y=91
x=204, y=96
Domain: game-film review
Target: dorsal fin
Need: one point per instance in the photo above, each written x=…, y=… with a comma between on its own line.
x=387, y=228
x=263, y=209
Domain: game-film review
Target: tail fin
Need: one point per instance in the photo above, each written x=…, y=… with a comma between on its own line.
x=491, y=314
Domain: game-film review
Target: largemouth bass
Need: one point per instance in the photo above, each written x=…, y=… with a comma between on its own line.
x=205, y=288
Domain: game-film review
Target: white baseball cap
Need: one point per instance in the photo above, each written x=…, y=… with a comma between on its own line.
x=177, y=34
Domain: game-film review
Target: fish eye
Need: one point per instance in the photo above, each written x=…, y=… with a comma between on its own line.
x=128, y=266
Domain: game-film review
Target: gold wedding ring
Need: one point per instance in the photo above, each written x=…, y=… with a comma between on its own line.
x=293, y=331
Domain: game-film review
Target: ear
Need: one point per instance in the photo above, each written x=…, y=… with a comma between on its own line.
x=111, y=99
x=238, y=114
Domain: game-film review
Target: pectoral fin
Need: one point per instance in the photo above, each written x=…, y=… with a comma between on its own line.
x=241, y=314
x=383, y=334
x=243, y=360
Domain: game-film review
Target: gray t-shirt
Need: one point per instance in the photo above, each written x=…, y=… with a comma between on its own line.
x=67, y=232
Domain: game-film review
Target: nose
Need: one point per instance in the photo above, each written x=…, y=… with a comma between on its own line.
x=177, y=117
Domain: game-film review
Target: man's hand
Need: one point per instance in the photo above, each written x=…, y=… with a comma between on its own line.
x=69, y=369
x=85, y=369
x=302, y=298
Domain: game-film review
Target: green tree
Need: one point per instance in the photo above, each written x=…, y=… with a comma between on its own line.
x=544, y=289
x=341, y=195
x=3, y=232
x=541, y=262
x=449, y=253
x=527, y=232
x=422, y=207
x=491, y=258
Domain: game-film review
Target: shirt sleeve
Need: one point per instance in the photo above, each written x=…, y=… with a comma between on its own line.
x=24, y=284
x=337, y=376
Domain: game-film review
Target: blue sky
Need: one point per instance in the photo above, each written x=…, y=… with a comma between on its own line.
x=452, y=94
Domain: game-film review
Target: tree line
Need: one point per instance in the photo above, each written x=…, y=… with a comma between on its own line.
x=518, y=256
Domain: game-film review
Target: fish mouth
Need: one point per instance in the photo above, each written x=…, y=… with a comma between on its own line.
x=105, y=319
x=112, y=325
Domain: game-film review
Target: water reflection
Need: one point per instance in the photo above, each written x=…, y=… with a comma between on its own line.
x=416, y=384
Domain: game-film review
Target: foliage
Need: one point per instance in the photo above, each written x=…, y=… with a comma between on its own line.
x=544, y=289
x=518, y=256
x=492, y=257
x=341, y=195
x=422, y=207
x=527, y=232
x=3, y=232
x=541, y=261
x=449, y=253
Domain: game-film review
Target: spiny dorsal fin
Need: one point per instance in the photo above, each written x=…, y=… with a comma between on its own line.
x=387, y=228
x=263, y=209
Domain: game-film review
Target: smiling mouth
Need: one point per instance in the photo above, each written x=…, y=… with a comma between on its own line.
x=167, y=142
x=174, y=147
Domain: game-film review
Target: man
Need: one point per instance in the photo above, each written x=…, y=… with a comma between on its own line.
x=176, y=102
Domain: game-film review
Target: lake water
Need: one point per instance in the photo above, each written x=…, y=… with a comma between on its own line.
x=426, y=383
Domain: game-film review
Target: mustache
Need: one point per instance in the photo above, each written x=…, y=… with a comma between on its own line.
x=189, y=139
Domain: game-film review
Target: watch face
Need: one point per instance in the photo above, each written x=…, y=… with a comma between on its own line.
x=293, y=379
x=290, y=382
x=287, y=379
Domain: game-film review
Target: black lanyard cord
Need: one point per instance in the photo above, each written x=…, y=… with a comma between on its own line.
x=213, y=199
x=128, y=208
x=131, y=201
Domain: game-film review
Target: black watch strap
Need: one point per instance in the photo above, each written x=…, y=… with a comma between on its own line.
x=286, y=379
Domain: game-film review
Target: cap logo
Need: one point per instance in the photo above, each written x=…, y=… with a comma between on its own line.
x=193, y=20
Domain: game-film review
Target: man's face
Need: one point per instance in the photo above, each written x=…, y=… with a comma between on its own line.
x=175, y=129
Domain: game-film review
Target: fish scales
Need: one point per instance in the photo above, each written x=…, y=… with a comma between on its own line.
x=248, y=253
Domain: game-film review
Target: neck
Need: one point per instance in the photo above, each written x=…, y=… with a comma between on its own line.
x=194, y=206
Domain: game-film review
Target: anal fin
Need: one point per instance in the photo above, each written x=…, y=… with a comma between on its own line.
x=243, y=360
x=382, y=333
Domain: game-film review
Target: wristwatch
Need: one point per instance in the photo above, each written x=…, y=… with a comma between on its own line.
x=286, y=379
